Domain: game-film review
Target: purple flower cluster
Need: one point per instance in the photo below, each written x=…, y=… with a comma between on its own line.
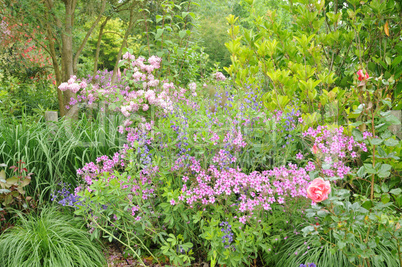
x=65, y=198
x=286, y=123
x=308, y=265
x=227, y=239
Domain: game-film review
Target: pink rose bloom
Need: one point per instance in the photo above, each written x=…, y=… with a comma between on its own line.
x=145, y=107
x=362, y=76
x=318, y=190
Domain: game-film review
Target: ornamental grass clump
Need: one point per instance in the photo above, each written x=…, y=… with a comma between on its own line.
x=49, y=239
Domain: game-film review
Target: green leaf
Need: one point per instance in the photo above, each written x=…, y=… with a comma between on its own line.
x=386, y=102
x=377, y=188
x=372, y=244
x=182, y=33
x=391, y=142
x=308, y=229
x=4, y=191
x=361, y=172
x=159, y=33
x=2, y=176
x=357, y=135
x=392, y=119
x=384, y=170
x=396, y=191
x=381, y=153
x=396, y=61
x=369, y=168
x=367, y=205
x=122, y=63
x=384, y=188
x=388, y=60
x=341, y=244
x=385, y=198
x=322, y=213
x=12, y=181
x=376, y=141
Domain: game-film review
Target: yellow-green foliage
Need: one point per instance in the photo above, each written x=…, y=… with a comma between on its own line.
x=112, y=39
x=309, y=57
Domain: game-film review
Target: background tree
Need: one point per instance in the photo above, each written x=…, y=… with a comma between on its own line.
x=59, y=21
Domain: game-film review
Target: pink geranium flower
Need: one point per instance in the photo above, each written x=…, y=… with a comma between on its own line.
x=318, y=190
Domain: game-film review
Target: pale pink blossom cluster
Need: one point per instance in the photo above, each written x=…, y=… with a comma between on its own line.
x=138, y=65
x=139, y=97
x=193, y=88
x=143, y=100
x=72, y=85
x=4, y=31
x=219, y=76
x=127, y=55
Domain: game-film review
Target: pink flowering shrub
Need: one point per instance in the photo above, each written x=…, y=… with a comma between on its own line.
x=4, y=31
x=134, y=93
x=219, y=76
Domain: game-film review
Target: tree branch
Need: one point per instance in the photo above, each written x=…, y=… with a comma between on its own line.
x=94, y=24
x=124, y=43
x=102, y=27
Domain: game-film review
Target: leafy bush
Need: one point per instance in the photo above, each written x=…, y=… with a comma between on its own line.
x=49, y=239
x=12, y=192
x=21, y=98
x=310, y=62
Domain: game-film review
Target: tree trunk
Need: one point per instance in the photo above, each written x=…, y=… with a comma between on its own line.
x=67, y=50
